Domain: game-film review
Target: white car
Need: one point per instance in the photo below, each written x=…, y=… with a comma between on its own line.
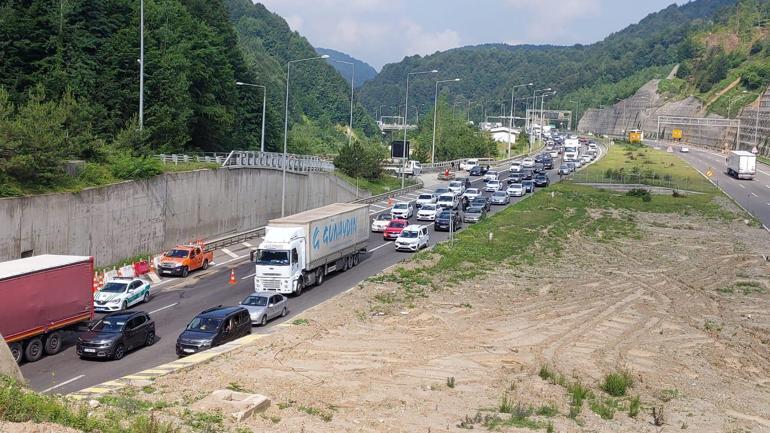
x=471, y=193
x=469, y=164
x=412, y=238
x=684, y=149
x=554, y=153
x=380, y=223
x=516, y=167
x=586, y=158
x=528, y=162
x=120, y=293
x=424, y=199
x=493, y=186
x=448, y=201
x=402, y=210
x=457, y=187
x=491, y=175
x=428, y=212
x=515, y=190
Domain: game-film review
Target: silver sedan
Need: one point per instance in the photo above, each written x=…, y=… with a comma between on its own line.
x=264, y=306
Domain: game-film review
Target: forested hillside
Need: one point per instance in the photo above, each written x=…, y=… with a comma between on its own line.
x=69, y=87
x=592, y=74
x=364, y=71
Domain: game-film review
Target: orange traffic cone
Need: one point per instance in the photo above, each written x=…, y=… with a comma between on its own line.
x=232, y=277
x=96, y=282
x=390, y=201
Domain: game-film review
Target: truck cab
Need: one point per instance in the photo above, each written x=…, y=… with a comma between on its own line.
x=279, y=260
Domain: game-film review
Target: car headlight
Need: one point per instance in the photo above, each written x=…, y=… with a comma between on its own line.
x=178, y=265
x=114, y=301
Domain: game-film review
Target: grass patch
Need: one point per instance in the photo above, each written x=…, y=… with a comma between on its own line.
x=763, y=159
x=450, y=382
x=300, y=322
x=314, y=411
x=605, y=408
x=547, y=410
x=616, y=384
x=385, y=183
x=634, y=406
x=668, y=394
x=204, y=422
x=235, y=386
x=712, y=326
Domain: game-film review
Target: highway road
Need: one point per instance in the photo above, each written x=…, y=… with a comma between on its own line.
x=175, y=304
x=754, y=195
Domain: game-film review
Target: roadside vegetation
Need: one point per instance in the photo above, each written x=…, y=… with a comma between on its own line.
x=636, y=163
x=385, y=183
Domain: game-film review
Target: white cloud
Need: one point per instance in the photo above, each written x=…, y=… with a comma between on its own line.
x=295, y=22
x=547, y=21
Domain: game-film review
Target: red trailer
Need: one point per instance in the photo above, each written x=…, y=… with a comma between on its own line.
x=40, y=297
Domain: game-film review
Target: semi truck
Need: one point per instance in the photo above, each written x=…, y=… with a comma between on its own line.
x=298, y=251
x=41, y=297
x=741, y=164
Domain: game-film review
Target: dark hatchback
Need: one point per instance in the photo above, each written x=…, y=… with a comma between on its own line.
x=482, y=201
x=448, y=220
x=115, y=334
x=478, y=170
x=527, y=174
x=212, y=328
x=529, y=186
x=541, y=180
x=548, y=163
x=515, y=178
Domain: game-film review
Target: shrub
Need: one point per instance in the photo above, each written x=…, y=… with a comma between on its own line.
x=127, y=167
x=616, y=384
x=640, y=192
x=634, y=406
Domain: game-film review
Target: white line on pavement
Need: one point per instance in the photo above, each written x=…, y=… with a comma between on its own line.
x=377, y=248
x=249, y=276
x=63, y=383
x=741, y=186
x=247, y=245
x=376, y=205
x=763, y=172
x=754, y=195
x=228, y=261
x=164, y=308
x=229, y=253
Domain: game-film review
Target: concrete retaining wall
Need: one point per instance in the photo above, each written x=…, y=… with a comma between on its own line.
x=122, y=220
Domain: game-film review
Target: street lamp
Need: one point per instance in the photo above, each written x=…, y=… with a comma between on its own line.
x=286, y=129
x=352, y=84
x=141, y=65
x=264, y=103
x=729, y=106
x=406, y=116
x=577, y=110
x=511, y=123
x=542, y=115
x=534, y=102
x=435, y=111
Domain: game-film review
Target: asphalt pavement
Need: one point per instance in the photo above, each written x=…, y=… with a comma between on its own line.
x=178, y=301
x=753, y=195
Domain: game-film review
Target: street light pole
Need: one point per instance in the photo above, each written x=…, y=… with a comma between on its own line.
x=286, y=130
x=577, y=109
x=534, y=108
x=141, y=65
x=542, y=113
x=264, y=103
x=435, y=111
x=513, y=112
x=406, y=113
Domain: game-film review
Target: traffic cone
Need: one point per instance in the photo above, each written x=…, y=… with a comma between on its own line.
x=95, y=287
x=232, y=277
x=390, y=201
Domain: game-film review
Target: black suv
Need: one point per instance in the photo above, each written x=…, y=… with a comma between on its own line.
x=515, y=178
x=115, y=334
x=541, y=180
x=478, y=170
x=482, y=201
x=447, y=219
x=548, y=163
x=212, y=328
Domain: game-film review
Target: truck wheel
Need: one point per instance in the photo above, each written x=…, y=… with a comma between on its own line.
x=319, y=276
x=16, y=351
x=185, y=272
x=53, y=343
x=205, y=265
x=355, y=259
x=300, y=285
x=34, y=350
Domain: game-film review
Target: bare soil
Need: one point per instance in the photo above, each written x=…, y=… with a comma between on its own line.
x=684, y=310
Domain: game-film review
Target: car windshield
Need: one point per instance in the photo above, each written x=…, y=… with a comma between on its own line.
x=384, y=217
x=455, y=184
x=204, y=324
x=180, y=254
x=527, y=182
x=516, y=185
x=400, y=206
x=409, y=234
x=255, y=301
x=273, y=258
x=429, y=207
x=491, y=173
x=112, y=287
x=564, y=166
x=445, y=215
x=499, y=194
x=442, y=190
x=474, y=210
x=425, y=197
x=397, y=224
x=449, y=198
x=493, y=182
x=472, y=191
x=110, y=325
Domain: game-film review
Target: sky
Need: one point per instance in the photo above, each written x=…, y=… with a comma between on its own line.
x=386, y=31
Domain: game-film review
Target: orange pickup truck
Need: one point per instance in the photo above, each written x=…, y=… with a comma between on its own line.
x=185, y=258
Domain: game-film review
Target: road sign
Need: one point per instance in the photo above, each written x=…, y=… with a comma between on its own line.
x=755, y=150
x=676, y=134
x=670, y=149
x=709, y=173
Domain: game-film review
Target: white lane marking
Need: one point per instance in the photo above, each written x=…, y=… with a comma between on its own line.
x=763, y=172
x=229, y=253
x=378, y=206
x=164, y=308
x=249, y=276
x=228, y=261
x=63, y=383
x=754, y=195
x=247, y=245
x=741, y=186
x=377, y=248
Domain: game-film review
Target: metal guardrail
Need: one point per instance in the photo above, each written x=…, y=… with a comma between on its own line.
x=389, y=194
x=224, y=241
x=255, y=159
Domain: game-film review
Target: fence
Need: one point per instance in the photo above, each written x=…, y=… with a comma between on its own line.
x=649, y=179
x=255, y=159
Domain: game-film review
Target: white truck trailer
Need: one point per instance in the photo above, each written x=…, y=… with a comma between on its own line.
x=741, y=164
x=298, y=251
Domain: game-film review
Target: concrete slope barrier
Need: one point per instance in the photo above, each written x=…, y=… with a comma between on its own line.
x=8, y=366
x=118, y=221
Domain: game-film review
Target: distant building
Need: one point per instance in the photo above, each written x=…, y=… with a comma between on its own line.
x=501, y=134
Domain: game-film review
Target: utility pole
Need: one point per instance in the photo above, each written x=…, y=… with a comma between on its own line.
x=141, y=65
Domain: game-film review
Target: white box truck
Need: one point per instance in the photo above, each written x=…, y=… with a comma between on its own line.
x=741, y=164
x=298, y=251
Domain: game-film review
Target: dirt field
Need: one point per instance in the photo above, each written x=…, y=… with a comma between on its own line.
x=683, y=310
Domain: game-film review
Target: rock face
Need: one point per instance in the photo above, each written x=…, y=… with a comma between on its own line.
x=8, y=366
x=643, y=109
